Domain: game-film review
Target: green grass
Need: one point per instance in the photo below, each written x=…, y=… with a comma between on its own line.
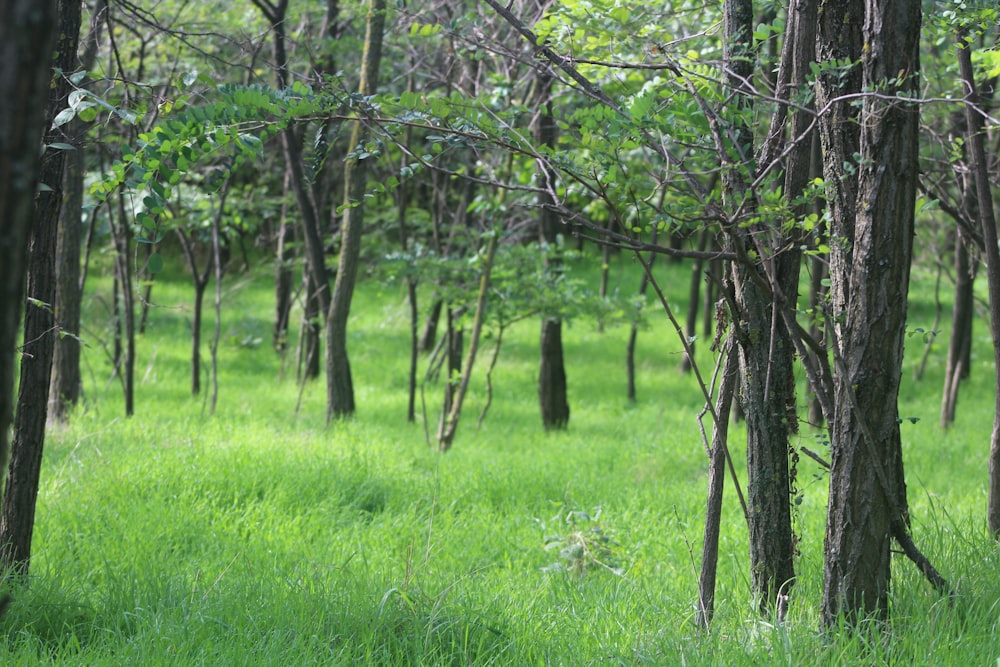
x=259, y=536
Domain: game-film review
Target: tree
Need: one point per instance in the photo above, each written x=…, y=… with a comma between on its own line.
x=988, y=224
x=767, y=389
x=873, y=225
x=66, y=383
x=552, y=367
x=17, y=516
x=340, y=387
x=27, y=30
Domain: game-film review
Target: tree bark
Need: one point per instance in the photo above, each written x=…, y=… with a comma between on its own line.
x=284, y=274
x=27, y=29
x=200, y=280
x=552, y=389
x=66, y=384
x=716, y=486
x=987, y=220
x=449, y=423
x=694, y=298
x=962, y=311
x=17, y=517
x=867, y=502
x=340, y=386
x=767, y=390
x=838, y=48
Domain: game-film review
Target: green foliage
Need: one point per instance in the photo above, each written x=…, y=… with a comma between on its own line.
x=260, y=535
x=582, y=543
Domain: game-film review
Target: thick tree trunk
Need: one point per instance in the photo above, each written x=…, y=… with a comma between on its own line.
x=340, y=386
x=27, y=29
x=552, y=394
x=838, y=41
x=17, y=517
x=867, y=503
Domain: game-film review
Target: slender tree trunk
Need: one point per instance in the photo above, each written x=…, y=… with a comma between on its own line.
x=428, y=339
x=125, y=357
x=66, y=384
x=867, y=503
x=64, y=391
x=305, y=196
x=402, y=201
x=284, y=274
x=312, y=329
x=987, y=220
x=340, y=386
x=17, y=516
x=961, y=330
x=200, y=280
x=218, y=261
x=716, y=486
x=694, y=297
x=763, y=347
x=449, y=423
x=27, y=30
x=552, y=389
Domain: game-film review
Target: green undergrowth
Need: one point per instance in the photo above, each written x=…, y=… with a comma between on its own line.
x=261, y=536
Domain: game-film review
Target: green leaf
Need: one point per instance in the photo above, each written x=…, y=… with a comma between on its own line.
x=63, y=117
x=155, y=263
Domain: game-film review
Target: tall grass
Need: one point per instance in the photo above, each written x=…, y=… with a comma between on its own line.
x=261, y=536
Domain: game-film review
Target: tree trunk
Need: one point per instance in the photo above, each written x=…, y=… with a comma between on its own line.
x=716, y=486
x=311, y=328
x=552, y=395
x=767, y=390
x=125, y=326
x=340, y=387
x=962, y=313
x=428, y=339
x=17, y=517
x=449, y=423
x=27, y=29
x=694, y=297
x=305, y=195
x=284, y=275
x=838, y=41
x=987, y=220
x=64, y=392
x=66, y=384
x=200, y=280
x=867, y=502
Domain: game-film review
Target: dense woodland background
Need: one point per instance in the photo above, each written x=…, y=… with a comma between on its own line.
x=785, y=168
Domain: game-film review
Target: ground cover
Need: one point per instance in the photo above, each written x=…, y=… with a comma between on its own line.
x=260, y=536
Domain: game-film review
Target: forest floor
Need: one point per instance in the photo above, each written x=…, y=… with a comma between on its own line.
x=261, y=536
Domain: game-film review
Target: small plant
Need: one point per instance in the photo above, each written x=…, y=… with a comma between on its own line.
x=584, y=544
